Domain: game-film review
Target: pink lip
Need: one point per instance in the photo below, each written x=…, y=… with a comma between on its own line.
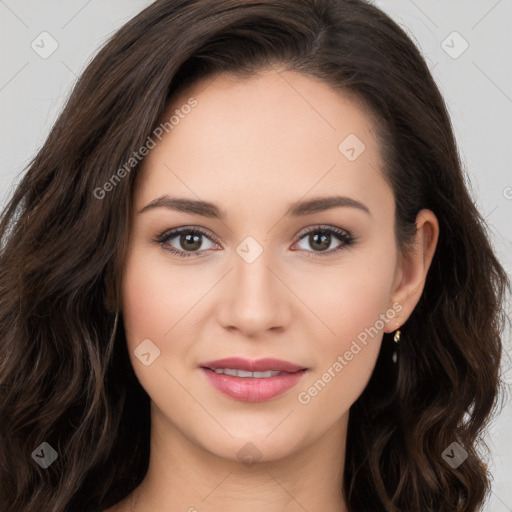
x=249, y=389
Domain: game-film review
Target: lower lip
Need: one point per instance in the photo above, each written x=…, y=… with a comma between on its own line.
x=249, y=389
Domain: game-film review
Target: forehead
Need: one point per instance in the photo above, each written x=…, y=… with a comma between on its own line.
x=279, y=130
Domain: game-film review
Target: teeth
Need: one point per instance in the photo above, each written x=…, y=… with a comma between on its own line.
x=246, y=374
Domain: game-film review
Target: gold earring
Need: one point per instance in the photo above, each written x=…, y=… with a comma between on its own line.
x=396, y=339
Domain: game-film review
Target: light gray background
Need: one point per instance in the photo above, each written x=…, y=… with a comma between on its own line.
x=477, y=86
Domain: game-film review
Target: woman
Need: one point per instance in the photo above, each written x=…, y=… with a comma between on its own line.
x=244, y=271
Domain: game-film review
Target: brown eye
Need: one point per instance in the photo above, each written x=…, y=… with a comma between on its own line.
x=326, y=240
x=190, y=242
x=183, y=242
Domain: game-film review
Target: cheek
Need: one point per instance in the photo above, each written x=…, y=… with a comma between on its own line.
x=141, y=300
x=151, y=307
x=354, y=306
x=154, y=298
x=354, y=297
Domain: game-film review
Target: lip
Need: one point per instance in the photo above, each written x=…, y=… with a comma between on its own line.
x=251, y=389
x=248, y=389
x=260, y=365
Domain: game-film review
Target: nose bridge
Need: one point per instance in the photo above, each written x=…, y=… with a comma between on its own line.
x=256, y=300
x=252, y=273
x=253, y=279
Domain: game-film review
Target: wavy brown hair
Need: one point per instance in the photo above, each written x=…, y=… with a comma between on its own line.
x=65, y=375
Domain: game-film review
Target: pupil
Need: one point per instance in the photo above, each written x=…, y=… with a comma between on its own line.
x=195, y=239
x=323, y=244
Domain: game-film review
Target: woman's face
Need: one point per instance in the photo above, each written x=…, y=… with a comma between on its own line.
x=253, y=286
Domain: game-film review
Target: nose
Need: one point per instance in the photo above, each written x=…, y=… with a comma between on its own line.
x=255, y=298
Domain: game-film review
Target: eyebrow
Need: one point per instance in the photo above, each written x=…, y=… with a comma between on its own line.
x=295, y=209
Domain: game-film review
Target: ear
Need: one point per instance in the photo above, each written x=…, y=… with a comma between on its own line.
x=413, y=266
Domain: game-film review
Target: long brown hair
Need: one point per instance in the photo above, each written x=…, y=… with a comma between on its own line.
x=65, y=375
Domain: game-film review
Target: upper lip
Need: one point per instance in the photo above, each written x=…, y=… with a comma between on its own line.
x=260, y=365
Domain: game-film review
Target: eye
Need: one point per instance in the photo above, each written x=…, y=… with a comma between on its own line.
x=190, y=240
x=321, y=239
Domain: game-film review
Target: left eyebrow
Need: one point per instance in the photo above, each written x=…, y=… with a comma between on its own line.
x=295, y=209
x=320, y=204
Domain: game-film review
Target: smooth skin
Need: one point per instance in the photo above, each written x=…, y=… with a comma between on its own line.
x=253, y=147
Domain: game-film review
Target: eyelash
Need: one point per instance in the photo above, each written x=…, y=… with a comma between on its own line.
x=344, y=236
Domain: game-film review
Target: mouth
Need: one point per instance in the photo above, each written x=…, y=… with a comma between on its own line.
x=252, y=381
x=246, y=374
x=253, y=366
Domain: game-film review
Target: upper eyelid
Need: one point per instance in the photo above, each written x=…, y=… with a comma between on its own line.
x=174, y=232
